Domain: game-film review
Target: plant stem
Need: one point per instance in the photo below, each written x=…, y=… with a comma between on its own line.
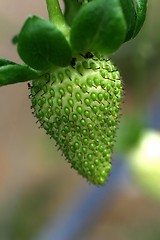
x=56, y=16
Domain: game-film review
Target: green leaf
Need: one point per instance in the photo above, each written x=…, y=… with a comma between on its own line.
x=141, y=9
x=130, y=17
x=41, y=45
x=13, y=73
x=99, y=26
x=4, y=62
x=15, y=39
x=71, y=10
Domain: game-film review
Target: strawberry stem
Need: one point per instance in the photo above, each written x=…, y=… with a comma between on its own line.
x=56, y=16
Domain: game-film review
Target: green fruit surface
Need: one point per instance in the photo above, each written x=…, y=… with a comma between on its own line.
x=79, y=107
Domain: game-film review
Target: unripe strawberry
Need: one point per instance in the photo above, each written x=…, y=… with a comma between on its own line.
x=79, y=107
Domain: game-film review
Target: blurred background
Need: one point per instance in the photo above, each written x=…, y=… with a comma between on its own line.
x=41, y=197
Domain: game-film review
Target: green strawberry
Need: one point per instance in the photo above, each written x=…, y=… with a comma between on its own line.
x=79, y=107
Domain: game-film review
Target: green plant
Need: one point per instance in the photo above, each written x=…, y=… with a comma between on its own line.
x=76, y=91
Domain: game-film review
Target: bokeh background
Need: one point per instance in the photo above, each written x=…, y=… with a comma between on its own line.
x=41, y=197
